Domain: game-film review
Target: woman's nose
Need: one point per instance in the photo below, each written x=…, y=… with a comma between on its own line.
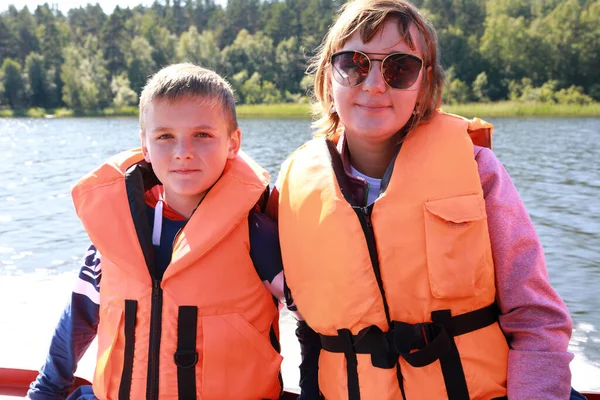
x=374, y=81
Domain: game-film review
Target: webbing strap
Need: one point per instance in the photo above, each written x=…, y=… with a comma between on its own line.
x=186, y=355
x=130, y=319
x=432, y=340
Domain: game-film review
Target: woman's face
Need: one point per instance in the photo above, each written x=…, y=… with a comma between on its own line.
x=372, y=110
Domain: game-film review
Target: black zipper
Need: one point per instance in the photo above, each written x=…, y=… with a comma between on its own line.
x=364, y=216
x=155, y=334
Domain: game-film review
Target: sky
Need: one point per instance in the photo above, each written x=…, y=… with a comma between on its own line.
x=64, y=5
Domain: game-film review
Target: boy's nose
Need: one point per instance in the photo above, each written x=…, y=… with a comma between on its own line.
x=184, y=150
x=374, y=81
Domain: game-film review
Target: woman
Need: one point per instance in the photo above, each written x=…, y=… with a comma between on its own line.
x=405, y=244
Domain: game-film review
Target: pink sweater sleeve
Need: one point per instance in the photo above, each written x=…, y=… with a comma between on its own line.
x=534, y=318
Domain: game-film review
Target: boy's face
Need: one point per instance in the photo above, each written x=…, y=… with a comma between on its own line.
x=188, y=143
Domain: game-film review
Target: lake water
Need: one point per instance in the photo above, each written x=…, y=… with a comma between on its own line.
x=555, y=164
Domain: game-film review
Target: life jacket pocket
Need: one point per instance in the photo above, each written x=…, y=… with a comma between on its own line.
x=109, y=364
x=457, y=242
x=238, y=361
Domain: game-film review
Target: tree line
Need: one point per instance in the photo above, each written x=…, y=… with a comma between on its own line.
x=88, y=59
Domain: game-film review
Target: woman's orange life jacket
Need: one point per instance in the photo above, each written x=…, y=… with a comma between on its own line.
x=402, y=292
x=203, y=331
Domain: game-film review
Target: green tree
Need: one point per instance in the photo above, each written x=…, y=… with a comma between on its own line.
x=290, y=64
x=26, y=31
x=589, y=42
x=53, y=35
x=512, y=51
x=459, y=92
x=123, y=95
x=480, y=88
x=237, y=82
x=254, y=53
x=511, y=8
x=164, y=46
x=9, y=43
x=86, y=21
x=14, y=85
x=199, y=49
x=276, y=20
x=180, y=22
x=239, y=14
x=572, y=32
x=35, y=72
x=85, y=78
x=252, y=90
x=456, y=48
x=113, y=39
x=573, y=95
x=140, y=64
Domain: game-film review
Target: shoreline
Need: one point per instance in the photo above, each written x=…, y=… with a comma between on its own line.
x=303, y=111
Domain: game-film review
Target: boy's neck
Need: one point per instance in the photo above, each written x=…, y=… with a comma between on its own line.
x=184, y=206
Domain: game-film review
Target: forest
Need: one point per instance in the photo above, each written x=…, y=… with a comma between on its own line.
x=92, y=59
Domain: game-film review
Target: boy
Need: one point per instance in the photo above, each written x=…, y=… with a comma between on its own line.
x=177, y=241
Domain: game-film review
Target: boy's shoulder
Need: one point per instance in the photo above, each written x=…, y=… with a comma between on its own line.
x=264, y=245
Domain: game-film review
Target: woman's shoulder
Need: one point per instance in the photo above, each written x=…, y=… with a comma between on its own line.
x=487, y=162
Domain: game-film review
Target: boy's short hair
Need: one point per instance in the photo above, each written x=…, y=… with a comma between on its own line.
x=186, y=80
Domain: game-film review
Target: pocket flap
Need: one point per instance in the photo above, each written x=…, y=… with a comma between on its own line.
x=458, y=209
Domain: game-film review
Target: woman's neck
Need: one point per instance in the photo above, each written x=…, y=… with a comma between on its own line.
x=371, y=159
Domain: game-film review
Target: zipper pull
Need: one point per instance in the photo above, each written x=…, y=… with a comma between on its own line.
x=367, y=212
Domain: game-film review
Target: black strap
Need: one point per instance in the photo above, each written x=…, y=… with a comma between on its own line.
x=351, y=364
x=444, y=329
x=372, y=340
x=186, y=355
x=452, y=369
x=130, y=318
x=432, y=340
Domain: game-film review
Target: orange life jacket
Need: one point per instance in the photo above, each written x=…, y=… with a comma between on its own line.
x=402, y=292
x=205, y=330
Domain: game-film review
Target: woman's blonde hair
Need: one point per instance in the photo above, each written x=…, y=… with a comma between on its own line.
x=367, y=17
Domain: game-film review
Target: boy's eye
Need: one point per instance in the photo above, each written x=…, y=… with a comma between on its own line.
x=202, y=135
x=165, y=136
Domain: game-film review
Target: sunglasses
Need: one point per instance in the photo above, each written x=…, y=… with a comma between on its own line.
x=399, y=70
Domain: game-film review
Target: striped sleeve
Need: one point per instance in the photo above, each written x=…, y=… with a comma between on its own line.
x=74, y=333
x=88, y=282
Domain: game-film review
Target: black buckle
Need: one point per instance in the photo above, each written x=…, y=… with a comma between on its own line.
x=379, y=346
x=429, y=330
x=186, y=358
x=405, y=337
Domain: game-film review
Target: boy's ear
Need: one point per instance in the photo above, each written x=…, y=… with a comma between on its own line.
x=235, y=141
x=144, y=147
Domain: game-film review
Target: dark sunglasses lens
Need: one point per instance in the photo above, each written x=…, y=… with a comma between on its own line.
x=350, y=68
x=401, y=71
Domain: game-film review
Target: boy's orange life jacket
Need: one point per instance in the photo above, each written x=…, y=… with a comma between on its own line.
x=204, y=330
x=401, y=292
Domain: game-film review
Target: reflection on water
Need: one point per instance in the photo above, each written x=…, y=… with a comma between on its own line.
x=553, y=162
